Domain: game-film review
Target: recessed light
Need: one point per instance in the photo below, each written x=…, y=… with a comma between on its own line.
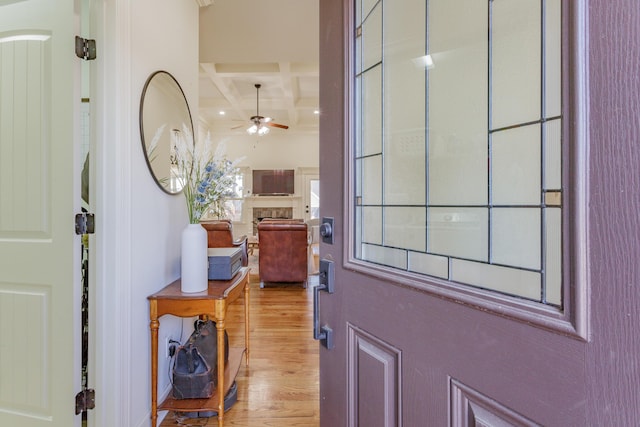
x=316, y=111
x=222, y=113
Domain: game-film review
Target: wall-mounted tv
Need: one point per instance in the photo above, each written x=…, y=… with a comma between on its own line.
x=273, y=182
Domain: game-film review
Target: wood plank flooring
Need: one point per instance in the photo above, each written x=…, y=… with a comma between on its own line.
x=280, y=386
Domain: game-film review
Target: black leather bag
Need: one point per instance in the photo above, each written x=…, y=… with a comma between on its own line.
x=192, y=375
x=188, y=378
x=205, y=339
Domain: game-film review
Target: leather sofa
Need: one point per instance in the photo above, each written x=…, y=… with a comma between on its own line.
x=220, y=235
x=283, y=251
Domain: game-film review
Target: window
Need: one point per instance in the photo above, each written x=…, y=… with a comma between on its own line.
x=457, y=142
x=233, y=202
x=233, y=205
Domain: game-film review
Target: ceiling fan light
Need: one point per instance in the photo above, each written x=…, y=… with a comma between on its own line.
x=252, y=130
x=263, y=130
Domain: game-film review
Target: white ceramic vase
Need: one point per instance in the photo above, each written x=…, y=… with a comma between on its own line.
x=194, y=263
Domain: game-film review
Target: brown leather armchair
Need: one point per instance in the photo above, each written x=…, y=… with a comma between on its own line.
x=283, y=251
x=220, y=235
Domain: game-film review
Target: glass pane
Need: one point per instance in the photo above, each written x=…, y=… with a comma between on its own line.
x=515, y=166
x=367, y=5
x=405, y=110
x=387, y=256
x=457, y=103
x=552, y=155
x=372, y=38
x=404, y=227
x=358, y=220
x=552, y=57
x=553, y=252
x=515, y=62
x=404, y=169
x=522, y=283
x=432, y=265
x=358, y=51
x=371, y=104
x=515, y=237
x=372, y=225
x=372, y=180
x=459, y=232
x=358, y=116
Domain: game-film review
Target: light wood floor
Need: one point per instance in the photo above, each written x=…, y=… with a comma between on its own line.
x=280, y=386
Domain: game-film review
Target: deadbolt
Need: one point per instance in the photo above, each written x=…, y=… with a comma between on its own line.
x=326, y=230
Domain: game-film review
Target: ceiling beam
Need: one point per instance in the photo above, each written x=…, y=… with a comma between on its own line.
x=203, y=3
x=229, y=91
x=290, y=89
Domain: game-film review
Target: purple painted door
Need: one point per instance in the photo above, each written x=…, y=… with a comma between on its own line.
x=486, y=252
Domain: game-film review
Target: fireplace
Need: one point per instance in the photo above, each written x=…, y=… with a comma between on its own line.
x=275, y=212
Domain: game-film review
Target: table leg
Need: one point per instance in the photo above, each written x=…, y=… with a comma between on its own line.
x=220, y=326
x=246, y=320
x=154, y=325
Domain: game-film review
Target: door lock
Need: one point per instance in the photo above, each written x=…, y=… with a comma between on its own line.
x=326, y=230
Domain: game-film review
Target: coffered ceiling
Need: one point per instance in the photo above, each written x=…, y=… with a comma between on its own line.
x=270, y=42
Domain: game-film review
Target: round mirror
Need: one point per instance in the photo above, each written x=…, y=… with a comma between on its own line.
x=164, y=112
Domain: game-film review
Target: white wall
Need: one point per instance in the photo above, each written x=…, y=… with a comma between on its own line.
x=164, y=37
x=138, y=239
x=277, y=150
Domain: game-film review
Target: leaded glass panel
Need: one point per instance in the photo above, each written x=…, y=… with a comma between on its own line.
x=458, y=142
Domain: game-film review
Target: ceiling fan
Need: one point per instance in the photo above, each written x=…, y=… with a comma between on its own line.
x=261, y=124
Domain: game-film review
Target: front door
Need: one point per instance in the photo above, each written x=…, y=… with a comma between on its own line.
x=39, y=251
x=481, y=168
x=311, y=197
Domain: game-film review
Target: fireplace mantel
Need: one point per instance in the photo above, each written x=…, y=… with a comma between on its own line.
x=274, y=201
x=270, y=198
x=294, y=202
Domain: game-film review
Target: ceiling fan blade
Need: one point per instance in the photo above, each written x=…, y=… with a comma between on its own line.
x=277, y=125
x=238, y=127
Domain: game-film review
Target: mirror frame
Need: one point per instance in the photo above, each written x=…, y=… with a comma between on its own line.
x=166, y=133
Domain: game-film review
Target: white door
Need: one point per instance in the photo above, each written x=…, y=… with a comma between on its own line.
x=311, y=197
x=39, y=251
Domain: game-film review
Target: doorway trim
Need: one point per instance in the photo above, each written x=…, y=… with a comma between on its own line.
x=112, y=297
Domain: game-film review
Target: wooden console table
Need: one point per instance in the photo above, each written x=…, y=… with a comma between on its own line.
x=212, y=303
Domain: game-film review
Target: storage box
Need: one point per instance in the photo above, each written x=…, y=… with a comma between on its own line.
x=224, y=263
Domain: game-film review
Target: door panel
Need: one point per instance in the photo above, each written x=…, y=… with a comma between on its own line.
x=37, y=204
x=470, y=351
x=374, y=380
